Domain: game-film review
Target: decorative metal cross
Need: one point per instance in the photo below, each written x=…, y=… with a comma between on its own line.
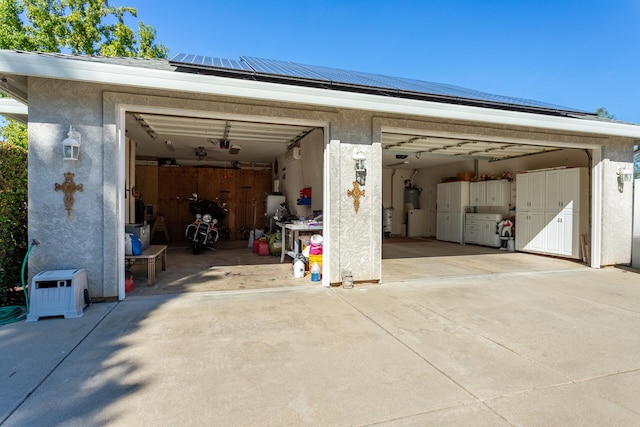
x=356, y=193
x=68, y=187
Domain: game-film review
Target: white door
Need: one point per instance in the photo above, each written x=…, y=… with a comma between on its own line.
x=553, y=191
x=537, y=224
x=455, y=196
x=523, y=232
x=455, y=227
x=477, y=193
x=497, y=193
x=442, y=227
x=536, y=190
x=553, y=233
x=443, y=197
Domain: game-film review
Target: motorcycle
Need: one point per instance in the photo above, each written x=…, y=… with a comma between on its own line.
x=203, y=231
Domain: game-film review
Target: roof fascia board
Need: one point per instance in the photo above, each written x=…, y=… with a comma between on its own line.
x=11, y=106
x=14, y=110
x=36, y=65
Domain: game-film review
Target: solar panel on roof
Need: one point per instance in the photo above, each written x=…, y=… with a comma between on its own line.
x=339, y=77
x=281, y=68
x=347, y=77
x=209, y=61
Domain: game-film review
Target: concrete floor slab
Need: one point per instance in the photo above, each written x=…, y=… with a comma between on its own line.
x=566, y=405
x=556, y=345
x=31, y=351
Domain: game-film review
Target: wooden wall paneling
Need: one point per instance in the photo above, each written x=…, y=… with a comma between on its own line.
x=218, y=184
x=175, y=185
x=147, y=185
x=227, y=194
x=263, y=186
x=237, y=187
x=245, y=187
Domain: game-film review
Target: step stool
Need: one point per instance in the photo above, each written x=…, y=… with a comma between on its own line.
x=159, y=225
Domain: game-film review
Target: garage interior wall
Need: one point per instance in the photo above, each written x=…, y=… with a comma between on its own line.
x=427, y=179
x=306, y=172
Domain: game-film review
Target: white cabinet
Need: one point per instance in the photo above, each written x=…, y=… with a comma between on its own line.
x=530, y=191
x=449, y=226
x=552, y=211
x=478, y=193
x=498, y=193
x=559, y=231
x=490, y=193
x=482, y=229
x=416, y=222
x=529, y=231
x=453, y=199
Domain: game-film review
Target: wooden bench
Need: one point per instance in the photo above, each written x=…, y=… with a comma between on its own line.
x=151, y=254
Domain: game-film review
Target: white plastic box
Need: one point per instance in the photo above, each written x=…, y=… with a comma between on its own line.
x=58, y=293
x=143, y=232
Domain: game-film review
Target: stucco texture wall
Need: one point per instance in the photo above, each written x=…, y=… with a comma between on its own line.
x=617, y=203
x=88, y=236
x=75, y=238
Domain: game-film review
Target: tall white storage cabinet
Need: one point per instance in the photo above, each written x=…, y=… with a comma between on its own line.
x=453, y=199
x=552, y=211
x=530, y=211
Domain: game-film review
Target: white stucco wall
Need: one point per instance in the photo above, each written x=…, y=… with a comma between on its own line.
x=617, y=204
x=89, y=237
x=76, y=241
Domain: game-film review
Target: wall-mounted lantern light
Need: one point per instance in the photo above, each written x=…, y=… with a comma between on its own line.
x=624, y=175
x=71, y=145
x=361, y=170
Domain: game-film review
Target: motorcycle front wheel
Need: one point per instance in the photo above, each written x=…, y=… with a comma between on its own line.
x=198, y=243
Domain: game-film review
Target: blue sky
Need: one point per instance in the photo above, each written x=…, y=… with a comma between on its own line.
x=580, y=54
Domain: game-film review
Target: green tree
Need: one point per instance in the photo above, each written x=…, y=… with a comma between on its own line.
x=603, y=112
x=84, y=27
x=14, y=132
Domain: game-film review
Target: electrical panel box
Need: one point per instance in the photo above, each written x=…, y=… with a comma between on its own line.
x=58, y=293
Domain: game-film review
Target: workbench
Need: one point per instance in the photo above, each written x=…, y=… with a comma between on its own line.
x=296, y=229
x=150, y=255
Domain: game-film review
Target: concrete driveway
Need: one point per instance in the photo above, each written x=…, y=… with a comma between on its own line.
x=543, y=348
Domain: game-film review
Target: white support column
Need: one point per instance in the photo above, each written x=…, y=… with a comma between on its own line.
x=596, y=207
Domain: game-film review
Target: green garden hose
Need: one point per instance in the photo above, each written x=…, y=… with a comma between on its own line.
x=16, y=313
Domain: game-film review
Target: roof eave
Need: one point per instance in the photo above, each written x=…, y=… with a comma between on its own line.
x=68, y=68
x=14, y=110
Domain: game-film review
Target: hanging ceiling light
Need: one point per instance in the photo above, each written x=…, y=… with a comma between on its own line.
x=200, y=153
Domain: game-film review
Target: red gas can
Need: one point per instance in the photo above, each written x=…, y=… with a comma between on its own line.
x=263, y=248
